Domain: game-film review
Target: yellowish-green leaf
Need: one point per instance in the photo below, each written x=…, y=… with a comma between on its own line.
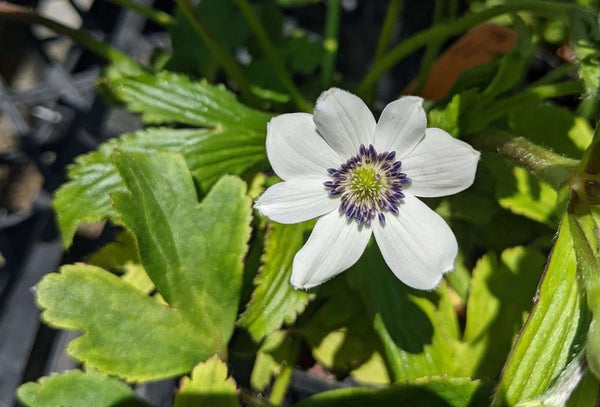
x=500, y=297
x=126, y=332
x=208, y=386
x=76, y=388
x=122, y=256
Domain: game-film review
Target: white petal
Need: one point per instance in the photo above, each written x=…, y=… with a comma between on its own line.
x=416, y=244
x=333, y=246
x=401, y=126
x=295, y=149
x=440, y=165
x=296, y=200
x=344, y=121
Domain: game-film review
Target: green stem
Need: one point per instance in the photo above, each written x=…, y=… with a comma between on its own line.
x=456, y=27
x=159, y=17
x=504, y=106
x=224, y=59
x=282, y=383
x=545, y=165
x=271, y=53
x=391, y=18
x=332, y=26
x=81, y=36
x=431, y=50
x=554, y=75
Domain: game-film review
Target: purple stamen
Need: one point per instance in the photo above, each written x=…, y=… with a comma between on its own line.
x=361, y=197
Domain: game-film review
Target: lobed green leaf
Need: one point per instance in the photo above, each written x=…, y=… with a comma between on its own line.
x=193, y=255
x=208, y=153
x=208, y=386
x=126, y=333
x=77, y=388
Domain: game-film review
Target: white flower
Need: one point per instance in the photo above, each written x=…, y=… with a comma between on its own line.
x=363, y=177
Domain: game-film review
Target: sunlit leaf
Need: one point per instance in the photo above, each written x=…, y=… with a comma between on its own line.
x=545, y=344
x=231, y=143
x=122, y=256
x=199, y=284
x=77, y=388
x=193, y=255
x=208, y=386
x=208, y=153
x=421, y=342
x=500, y=296
x=150, y=340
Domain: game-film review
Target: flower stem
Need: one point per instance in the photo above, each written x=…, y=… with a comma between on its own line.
x=227, y=62
x=431, y=51
x=443, y=31
x=159, y=17
x=592, y=155
x=545, y=165
x=271, y=54
x=391, y=18
x=504, y=106
x=81, y=36
x=332, y=25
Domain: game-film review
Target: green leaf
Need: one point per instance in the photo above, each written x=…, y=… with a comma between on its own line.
x=550, y=334
x=421, y=342
x=76, y=388
x=511, y=69
x=190, y=54
x=209, y=154
x=499, y=299
x=172, y=98
x=193, y=255
x=233, y=144
x=586, y=243
x=521, y=193
x=121, y=256
x=274, y=300
x=208, y=386
x=150, y=340
x=339, y=331
x=425, y=392
x=585, y=37
x=276, y=349
x=547, y=125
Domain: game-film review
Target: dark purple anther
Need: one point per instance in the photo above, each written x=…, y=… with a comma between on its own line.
x=368, y=184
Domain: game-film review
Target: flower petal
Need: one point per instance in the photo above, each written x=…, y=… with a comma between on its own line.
x=344, y=121
x=296, y=200
x=334, y=245
x=416, y=244
x=440, y=165
x=295, y=149
x=401, y=126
